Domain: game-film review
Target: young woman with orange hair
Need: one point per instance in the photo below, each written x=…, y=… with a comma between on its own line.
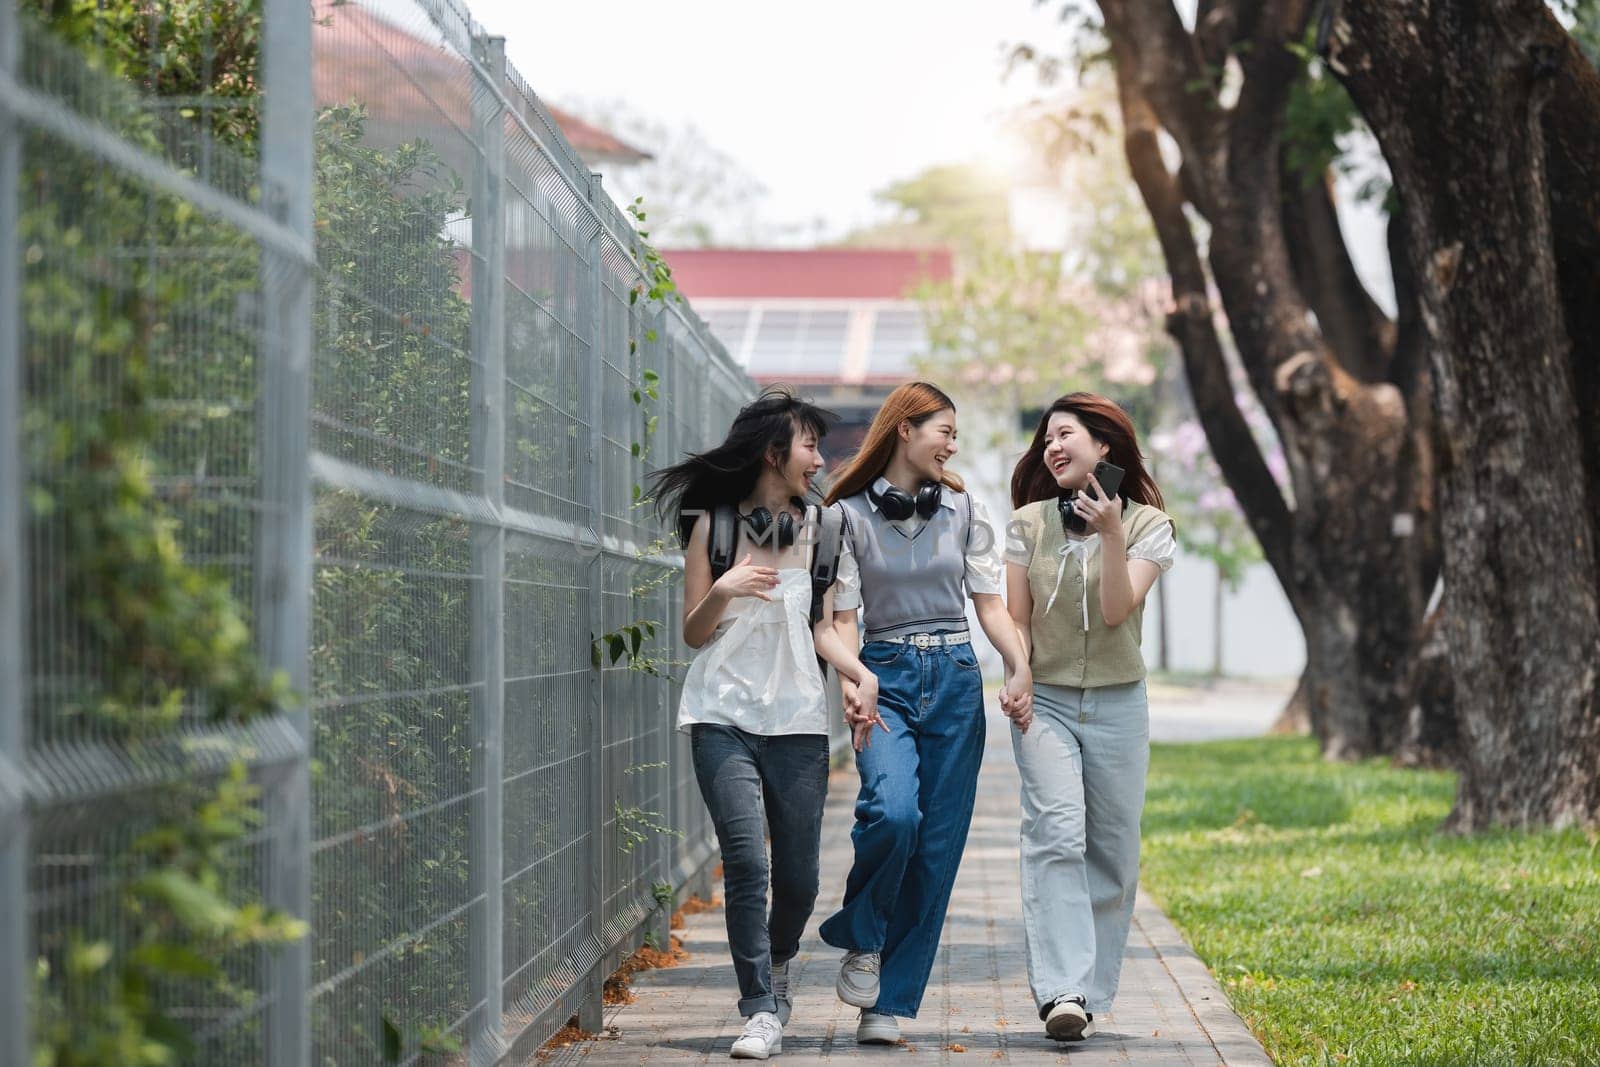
x=916, y=546
x=1078, y=567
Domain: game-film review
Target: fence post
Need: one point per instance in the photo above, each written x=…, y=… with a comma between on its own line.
x=661, y=598
x=15, y=973
x=487, y=862
x=590, y=1015
x=283, y=536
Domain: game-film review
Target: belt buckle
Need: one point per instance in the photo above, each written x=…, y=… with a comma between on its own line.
x=927, y=641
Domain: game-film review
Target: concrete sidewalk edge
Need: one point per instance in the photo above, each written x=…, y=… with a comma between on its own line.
x=1236, y=1046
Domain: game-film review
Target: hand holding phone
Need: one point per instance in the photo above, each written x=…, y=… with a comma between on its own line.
x=1109, y=477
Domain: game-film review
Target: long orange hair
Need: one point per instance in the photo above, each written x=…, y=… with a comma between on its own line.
x=1106, y=423
x=913, y=402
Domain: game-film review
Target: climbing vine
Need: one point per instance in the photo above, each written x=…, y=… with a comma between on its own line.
x=148, y=635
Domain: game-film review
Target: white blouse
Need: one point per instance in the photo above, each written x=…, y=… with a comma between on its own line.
x=758, y=672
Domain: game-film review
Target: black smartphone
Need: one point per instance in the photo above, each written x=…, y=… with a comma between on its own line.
x=1109, y=475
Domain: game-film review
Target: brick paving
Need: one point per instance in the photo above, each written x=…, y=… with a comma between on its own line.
x=977, y=1009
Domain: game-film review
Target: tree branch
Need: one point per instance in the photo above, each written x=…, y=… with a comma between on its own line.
x=1171, y=77
x=1193, y=325
x=1357, y=330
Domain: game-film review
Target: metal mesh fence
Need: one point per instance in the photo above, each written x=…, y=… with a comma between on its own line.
x=400, y=470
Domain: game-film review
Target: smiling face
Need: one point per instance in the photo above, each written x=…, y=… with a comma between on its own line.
x=803, y=463
x=1070, y=451
x=928, y=447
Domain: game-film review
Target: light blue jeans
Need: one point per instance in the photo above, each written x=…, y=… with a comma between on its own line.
x=1083, y=764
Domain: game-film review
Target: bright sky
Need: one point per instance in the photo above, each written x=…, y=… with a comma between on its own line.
x=823, y=102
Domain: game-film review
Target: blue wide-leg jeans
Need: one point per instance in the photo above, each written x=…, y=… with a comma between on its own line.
x=918, y=784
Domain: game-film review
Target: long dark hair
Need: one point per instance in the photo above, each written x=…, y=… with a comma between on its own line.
x=914, y=402
x=727, y=474
x=1108, y=424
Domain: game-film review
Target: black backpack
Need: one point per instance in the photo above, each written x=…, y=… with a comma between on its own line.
x=824, y=560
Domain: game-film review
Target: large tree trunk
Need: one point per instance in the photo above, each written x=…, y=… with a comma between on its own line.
x=1351, y=573
x=1431, y=737
x=1295, y=716
x=1453, y=89
x=1571, y=127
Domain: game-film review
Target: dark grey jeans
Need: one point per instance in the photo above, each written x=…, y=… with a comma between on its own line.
x=742, y=775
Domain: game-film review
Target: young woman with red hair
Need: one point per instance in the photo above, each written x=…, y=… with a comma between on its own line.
x=1078, y=566
x=916, y=547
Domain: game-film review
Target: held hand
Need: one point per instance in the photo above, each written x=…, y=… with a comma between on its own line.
x=1102, y=516
x=850, y=698
x=746, y=579
x=1016, y=699
x=861, y=736
x=867, y=702
x=861, y=709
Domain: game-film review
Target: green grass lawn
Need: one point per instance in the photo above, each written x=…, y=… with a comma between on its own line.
x=1345, y=929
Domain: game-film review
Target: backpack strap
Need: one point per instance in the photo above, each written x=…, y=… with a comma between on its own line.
x=724, y=539
x=825, y=556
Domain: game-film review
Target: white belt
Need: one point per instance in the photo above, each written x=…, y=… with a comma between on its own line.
x=960, y=637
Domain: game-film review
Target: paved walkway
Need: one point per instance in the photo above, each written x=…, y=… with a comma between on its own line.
x=977, y=1008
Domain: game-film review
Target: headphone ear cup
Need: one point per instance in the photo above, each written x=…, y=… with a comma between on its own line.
x=928, y=497
x=894, y=502
x=785, y=530
x=759, y=521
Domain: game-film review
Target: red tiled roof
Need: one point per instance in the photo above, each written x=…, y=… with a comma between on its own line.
x=412, y=86
x=821, y=273
x=593, y=143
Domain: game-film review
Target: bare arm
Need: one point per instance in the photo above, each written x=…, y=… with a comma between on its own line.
x=857, y=713
x=844, y=627
x=1019, y=603
x=1124, y=582
x=1001, y=631
x=836, y=649
x=704, y=601
x=1016, y=696
x=858, y=685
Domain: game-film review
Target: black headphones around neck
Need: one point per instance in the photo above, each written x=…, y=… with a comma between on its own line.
x=896, y=503
x=759, y=523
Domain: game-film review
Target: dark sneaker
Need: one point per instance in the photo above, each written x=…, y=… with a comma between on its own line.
x=1067, y=1021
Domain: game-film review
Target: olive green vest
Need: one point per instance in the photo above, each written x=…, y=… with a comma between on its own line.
x=1064, y=653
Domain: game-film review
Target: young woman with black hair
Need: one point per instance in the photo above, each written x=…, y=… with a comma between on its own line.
x=753, y=700
x=1078, y=567
x=916, y=548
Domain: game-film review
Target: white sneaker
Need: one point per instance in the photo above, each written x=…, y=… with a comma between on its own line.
x=858, y=979
x=762, y=1037
x=1068, y=1021
x=780, y=990
x=875, y=1029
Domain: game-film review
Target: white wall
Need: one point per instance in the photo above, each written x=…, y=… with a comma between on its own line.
x=1260, y=635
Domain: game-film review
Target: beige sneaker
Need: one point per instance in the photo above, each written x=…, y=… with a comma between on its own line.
x=875, y=1029
x=858, y=979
